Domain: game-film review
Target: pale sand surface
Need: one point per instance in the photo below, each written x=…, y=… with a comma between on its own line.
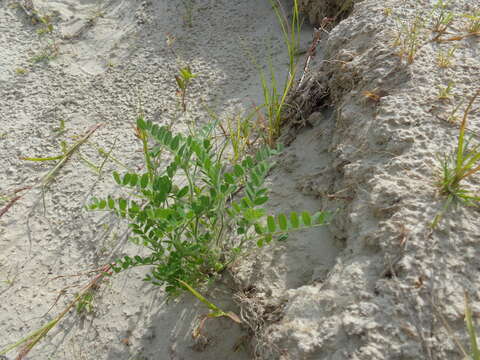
x=368, y=286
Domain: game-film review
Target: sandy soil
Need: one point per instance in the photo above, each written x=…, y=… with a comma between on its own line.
x=104, y=60
x=397, y=281
x=369, y=286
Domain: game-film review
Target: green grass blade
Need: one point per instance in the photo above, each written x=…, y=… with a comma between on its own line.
x=43, y=159
x=460, y=146
x=471, y=330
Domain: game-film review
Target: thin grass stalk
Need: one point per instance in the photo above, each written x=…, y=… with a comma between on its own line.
x=471, y=172
x=461, y=141
x=47, y=178
x=450, y=331
x=32, y=339
x=475, y=352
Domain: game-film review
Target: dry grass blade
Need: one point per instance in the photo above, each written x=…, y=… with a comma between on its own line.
x=34, y=338
x=9, y=205
x=51, y=174
x=450, y=331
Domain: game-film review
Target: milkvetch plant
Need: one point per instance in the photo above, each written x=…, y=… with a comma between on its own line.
x=188, y=214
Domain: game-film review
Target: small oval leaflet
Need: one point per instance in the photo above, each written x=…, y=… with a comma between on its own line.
x=294, y=220
x=144, y=181
x=282, y=222
x=271, y=224
x=306, y=218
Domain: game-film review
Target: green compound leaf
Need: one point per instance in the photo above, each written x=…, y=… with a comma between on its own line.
x=184, y=228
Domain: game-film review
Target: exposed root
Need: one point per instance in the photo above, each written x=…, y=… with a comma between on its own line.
x=257, y=315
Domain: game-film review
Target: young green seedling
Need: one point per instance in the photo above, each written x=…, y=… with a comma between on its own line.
x=445, y=59
x=410, y=37
x=183, y=81
x=442, y=18
x=473, y=25
x=445, y=93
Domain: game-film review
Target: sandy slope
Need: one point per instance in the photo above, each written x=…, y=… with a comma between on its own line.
x=383, y=297
x=109, y=58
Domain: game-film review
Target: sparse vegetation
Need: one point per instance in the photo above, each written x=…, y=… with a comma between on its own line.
x=473, y=22
x=273, y=96
x=239, y=131
x=183, y=80
x=84, y=304
x=445, y=92
x=49, y=52
x=388, y=11
x=445, y=58
x=461, y=164
x=472, y=332
x=47, y=26
x=188, y=16
x=21, y=71
x=442, y=18
x=30, y=341
x=453, y=117
x=410, y=37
